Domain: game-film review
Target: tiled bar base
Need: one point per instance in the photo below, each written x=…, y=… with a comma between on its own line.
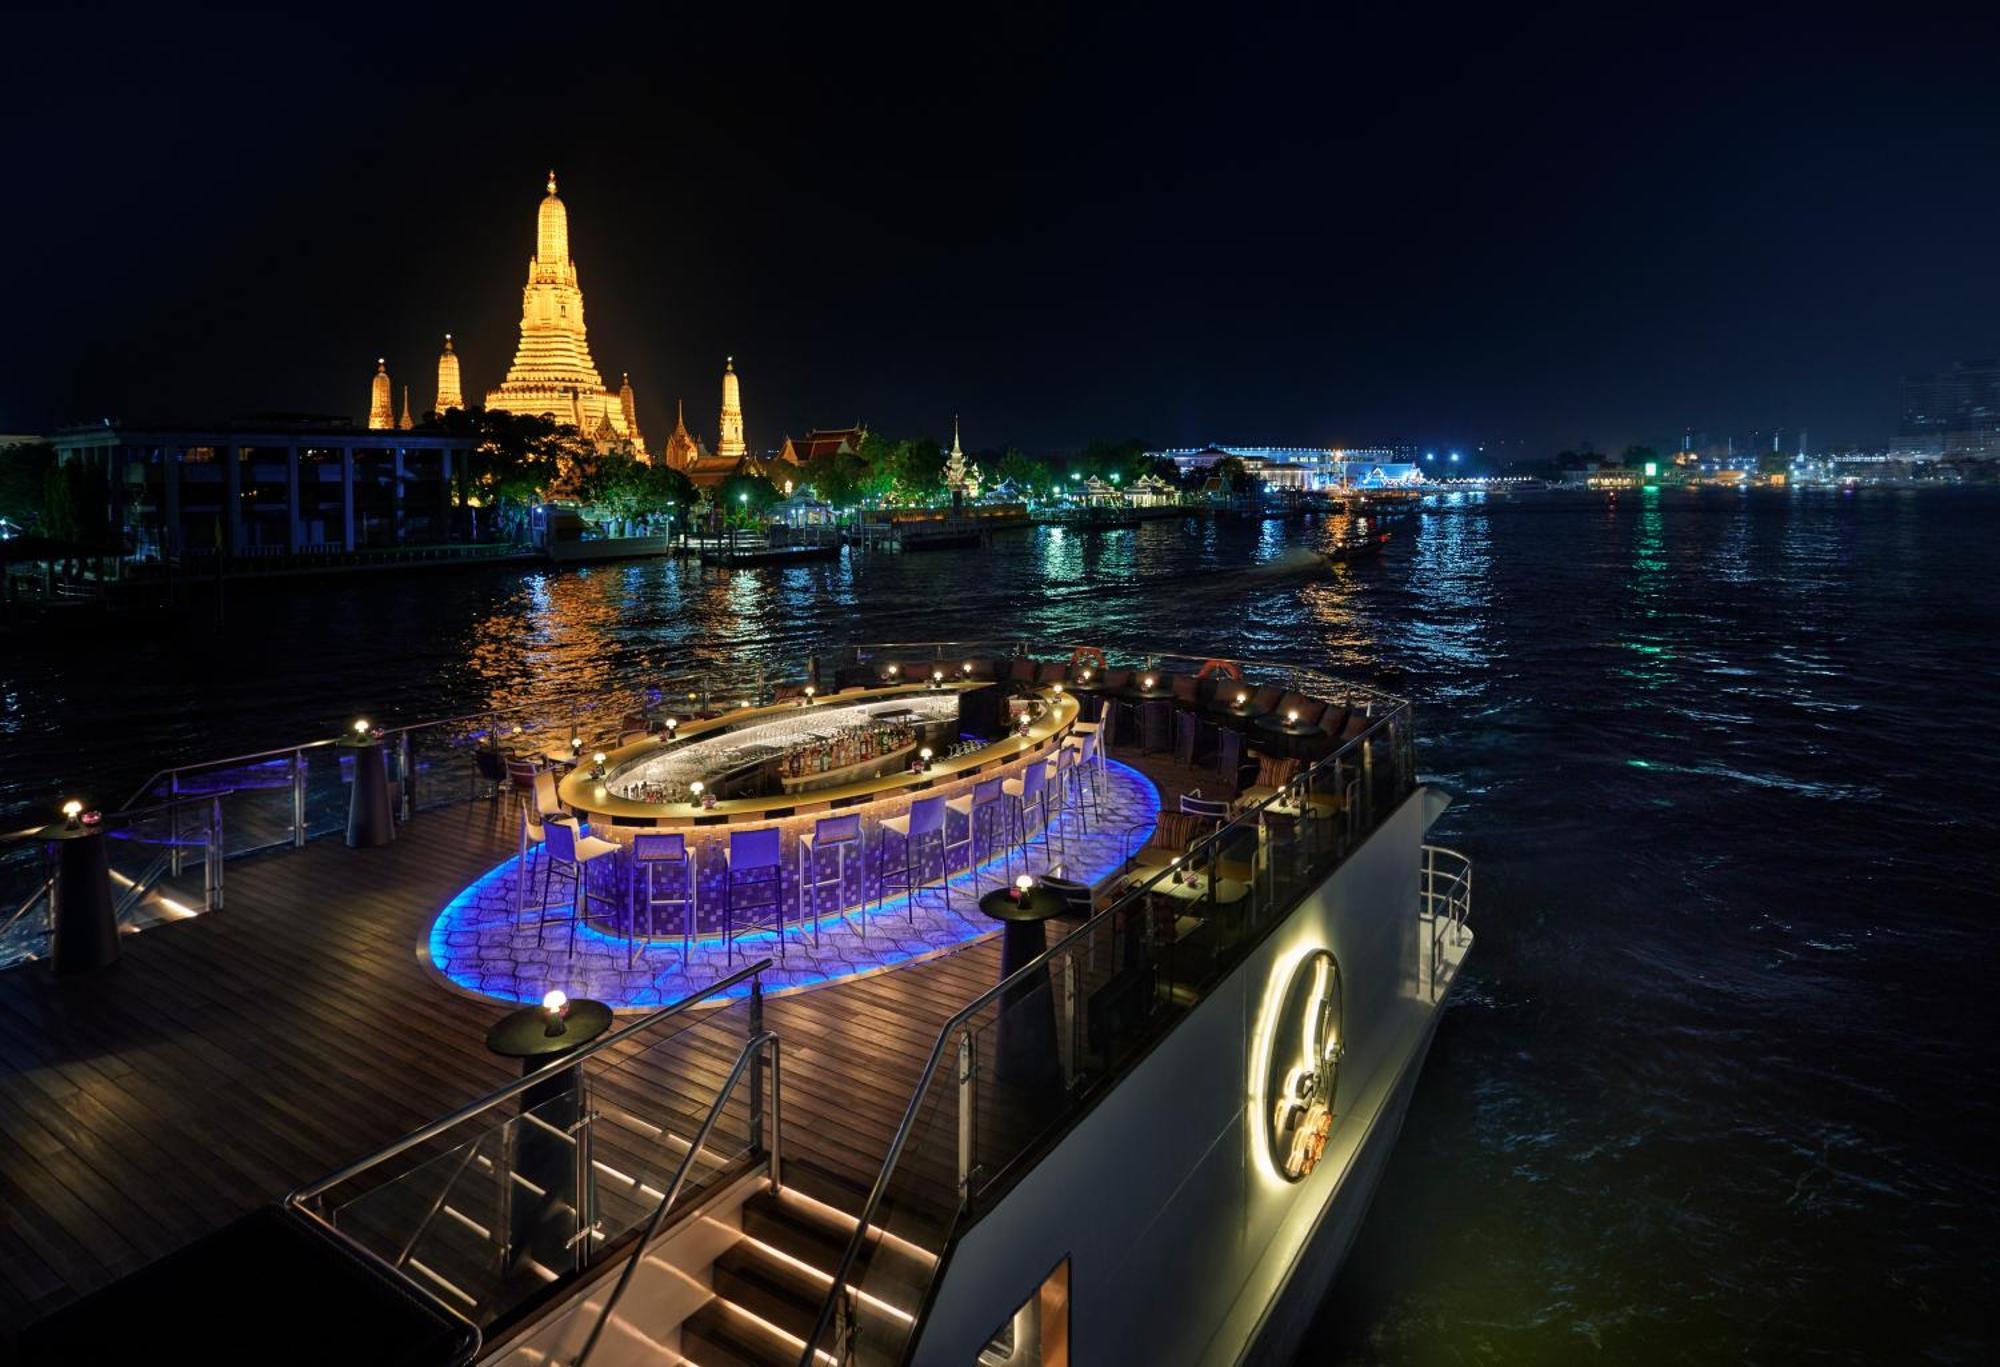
x=480, y=945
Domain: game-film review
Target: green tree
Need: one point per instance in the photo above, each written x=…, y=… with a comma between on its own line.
x=76, y=503
x=1635, y=457
x=1102, y=459
x=836, y=477
x=1028, y=475
x=619, y=486
x=24, y=477
x=744, y=498
x=1233, y=473
x=921, y=471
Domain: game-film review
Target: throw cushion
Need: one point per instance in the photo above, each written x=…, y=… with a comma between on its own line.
x=1274, y=771
x=1178, y=830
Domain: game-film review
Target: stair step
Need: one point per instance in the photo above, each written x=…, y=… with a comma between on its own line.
x=814, y=1235
x=721, y=1335
x=769, y=1288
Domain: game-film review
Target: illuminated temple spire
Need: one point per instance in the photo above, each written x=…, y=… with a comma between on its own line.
x=450, y=396
x=406, y=424
x=729, y=440
x=553, y=372
x=381, y=404
x=682, y=450
x=956, y=475
x=628, y=403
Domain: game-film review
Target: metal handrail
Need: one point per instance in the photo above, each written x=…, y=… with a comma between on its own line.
x=37, y=895
x=756, y=1044
x=297, y=1199
x=138, y=889
x=281, y=751
x=844, y=1269
x=1456, y=898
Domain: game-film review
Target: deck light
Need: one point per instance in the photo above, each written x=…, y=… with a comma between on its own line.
x=72, y=811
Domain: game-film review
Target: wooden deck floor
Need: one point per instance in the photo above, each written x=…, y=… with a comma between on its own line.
x=229, y=1058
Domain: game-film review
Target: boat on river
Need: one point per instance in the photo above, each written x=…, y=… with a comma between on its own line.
x=1361, y=546
x=955, y=1059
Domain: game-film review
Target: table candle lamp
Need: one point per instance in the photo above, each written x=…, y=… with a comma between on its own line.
x=555, y=1006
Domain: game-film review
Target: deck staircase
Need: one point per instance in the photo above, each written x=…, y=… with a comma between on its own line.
x=770, y=1284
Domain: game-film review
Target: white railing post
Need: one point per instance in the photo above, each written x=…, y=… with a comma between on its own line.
x=174, y=823
x=298, y=799
x=968, y=1114
x=1070, y=1014
x=215, y=854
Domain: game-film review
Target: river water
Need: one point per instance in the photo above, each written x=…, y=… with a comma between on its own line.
x=1721, y=1082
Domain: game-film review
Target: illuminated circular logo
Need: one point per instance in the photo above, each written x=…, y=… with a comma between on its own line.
x=1302, y=1072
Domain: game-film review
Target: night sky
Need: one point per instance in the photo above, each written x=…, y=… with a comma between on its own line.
x=1267, y=225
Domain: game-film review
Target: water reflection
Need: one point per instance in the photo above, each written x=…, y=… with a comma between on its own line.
x=1711, y=986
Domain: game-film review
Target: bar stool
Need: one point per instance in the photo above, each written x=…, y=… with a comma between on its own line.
x=1058, y=796
x=1090, y=758
x=1029, y=790
x=838, y=835
x=983, y=802
x=923, y=822
x=533, y=835
x=663, y=857
x=1079, y=772
x=756, y=860
x=571, y=855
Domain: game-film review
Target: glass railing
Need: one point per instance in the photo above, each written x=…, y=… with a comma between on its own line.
x=495, y=1210
x=288, y=796
x=1017, y=1067
x=164, y=861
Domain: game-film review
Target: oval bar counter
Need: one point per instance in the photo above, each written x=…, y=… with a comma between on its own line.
x=741, y=758
x=666, y=915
